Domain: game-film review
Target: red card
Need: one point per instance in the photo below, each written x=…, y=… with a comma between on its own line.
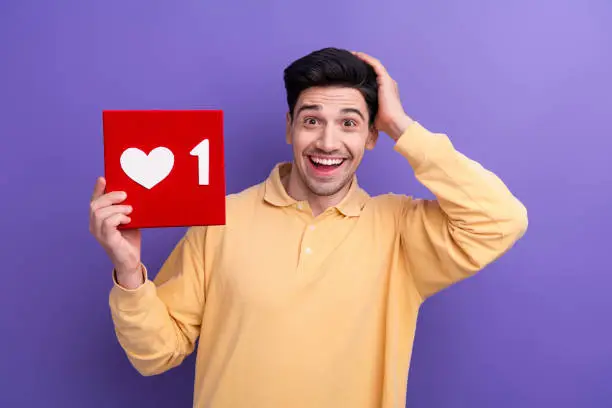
x=170, y=164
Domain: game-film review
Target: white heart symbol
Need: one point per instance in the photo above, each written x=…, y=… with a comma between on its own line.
x=147, y=170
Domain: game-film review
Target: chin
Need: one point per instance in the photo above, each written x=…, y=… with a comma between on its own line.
x=323, y=190
x=329, y=185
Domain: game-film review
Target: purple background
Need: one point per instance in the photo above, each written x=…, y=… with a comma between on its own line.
x=523, y=87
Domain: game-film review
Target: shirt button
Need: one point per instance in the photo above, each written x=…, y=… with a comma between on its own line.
x=308, y=250
x=311, y=227
x=299, y=206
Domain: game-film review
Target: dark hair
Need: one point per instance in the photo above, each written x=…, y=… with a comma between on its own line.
x=331, y=67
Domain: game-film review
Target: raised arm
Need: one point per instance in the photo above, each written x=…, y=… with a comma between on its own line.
x=158, y=323
x=474, y=218
x=472, y=222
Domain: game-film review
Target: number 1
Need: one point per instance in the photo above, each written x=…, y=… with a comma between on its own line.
x=202, y=151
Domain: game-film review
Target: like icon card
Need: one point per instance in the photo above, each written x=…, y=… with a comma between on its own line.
x=170, y=164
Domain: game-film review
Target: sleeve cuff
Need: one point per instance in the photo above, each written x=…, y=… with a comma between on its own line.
x=418, y=145
x=145, y=276
x=124, y=299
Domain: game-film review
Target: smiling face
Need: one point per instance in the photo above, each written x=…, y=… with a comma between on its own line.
x=329, y=132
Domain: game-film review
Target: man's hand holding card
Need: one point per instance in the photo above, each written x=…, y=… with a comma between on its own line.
x=162, y=169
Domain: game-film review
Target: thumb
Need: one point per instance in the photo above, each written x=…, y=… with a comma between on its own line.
x=98, y=188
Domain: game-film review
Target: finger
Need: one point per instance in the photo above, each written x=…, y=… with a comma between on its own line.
x=375, y=63
x=110, y=224
x=104, y=213
x=108, y=199
x=98, y=188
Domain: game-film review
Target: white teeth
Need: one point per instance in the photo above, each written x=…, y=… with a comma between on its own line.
x=326, y=162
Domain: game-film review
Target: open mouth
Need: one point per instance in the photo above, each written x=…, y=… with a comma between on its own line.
x=325, y=165
x=320, y=162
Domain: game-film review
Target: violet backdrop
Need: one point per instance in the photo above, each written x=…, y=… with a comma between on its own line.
x=523, y=87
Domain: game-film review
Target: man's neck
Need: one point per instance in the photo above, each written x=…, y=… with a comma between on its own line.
x=298, y=191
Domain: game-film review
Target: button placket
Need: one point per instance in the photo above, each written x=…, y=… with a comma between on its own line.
x=307, y=246
x=308, y=241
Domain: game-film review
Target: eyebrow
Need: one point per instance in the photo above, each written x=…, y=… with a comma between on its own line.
x=318, y=108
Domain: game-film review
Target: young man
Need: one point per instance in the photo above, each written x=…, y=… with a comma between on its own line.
x=309, y=296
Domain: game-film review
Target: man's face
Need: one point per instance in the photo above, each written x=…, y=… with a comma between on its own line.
x=329, y=133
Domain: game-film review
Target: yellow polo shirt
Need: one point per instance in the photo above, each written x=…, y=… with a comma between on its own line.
x=296, y=311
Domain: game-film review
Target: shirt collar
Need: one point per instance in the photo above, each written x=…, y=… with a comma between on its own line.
x=275, y=193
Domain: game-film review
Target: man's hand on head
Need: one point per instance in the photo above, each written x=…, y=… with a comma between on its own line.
x=392, y=118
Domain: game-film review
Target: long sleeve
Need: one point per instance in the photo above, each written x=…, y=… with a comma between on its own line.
x=158, y=323
x=474, y=220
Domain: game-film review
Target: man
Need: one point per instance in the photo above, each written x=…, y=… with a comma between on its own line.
x=309, y=296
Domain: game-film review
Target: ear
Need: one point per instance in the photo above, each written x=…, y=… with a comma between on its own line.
x=372, y=138
x=288, y=129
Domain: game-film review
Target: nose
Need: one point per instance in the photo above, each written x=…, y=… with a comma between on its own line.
x=328, y=140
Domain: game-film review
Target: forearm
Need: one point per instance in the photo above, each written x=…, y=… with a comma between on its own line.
x=157, y=323
x=144, y=327
x=473, y=198
x=474, y=220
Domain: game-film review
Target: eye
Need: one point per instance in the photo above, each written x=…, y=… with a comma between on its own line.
x=349, y=123
x=310, y=121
